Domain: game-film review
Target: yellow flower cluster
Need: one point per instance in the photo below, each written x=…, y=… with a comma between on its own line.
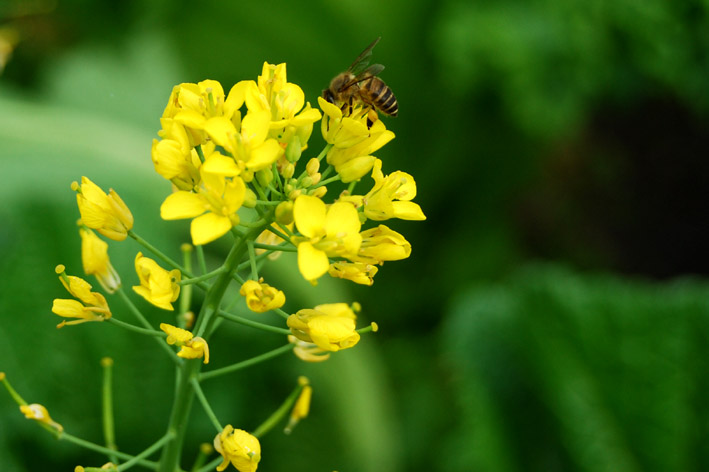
x=232, y=161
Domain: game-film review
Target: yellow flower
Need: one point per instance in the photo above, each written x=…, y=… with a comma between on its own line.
x=92, y=307
x=106, y=213
x=358, y=272
x=157, y=285
x=327, y=232
x=302, y=405
x=261, y=297
x=239, y=448
x=284, y=101
x=343, y=131
x=175, y=158
x=308, y=352
x=37, y=412
x=353, y=141
x=390, y=197
x=214, y=207
x=94, y=256
x=382, y=244
x=250, y=145
x=331, y=326
x=192, y=348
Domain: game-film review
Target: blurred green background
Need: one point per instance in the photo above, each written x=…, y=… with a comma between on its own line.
x=554, y=313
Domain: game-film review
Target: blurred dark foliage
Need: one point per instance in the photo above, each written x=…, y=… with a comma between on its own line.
x=565, y=131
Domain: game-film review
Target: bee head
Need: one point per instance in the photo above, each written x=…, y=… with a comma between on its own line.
x=328, y=95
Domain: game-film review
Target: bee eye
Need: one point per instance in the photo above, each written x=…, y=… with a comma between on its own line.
x=328, y=95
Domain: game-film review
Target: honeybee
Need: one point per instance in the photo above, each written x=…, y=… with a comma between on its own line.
x=360, y=83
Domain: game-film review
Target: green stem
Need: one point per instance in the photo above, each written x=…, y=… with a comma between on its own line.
x=252, y=260
x=327, y=181
x=155, y=447
x=184, y=393
x=106, y=451
x=205, y=404
x=276, y=248
x=247, y=363
x=186, y=290
x=202, y=278
x=279, y=414
x=253, y=324
x=202, y=261
x=135, y=329
x=109, y=433
x=144, y=322
x=212, y=465
x=159, y=254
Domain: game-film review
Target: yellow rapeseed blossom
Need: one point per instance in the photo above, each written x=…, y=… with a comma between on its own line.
x=92, y=307
x=106, y=213
x=175, y=159
x=37, y=412
x=285, y=102
x=214, y=207
x=261, y=297
x=157, y=285
x=327, y=232
x=191, y=347
x=382, y=244
x=331, y=326
x=239, y=448
x=250, y=145
x=308, y=352
x=302, y=405
x=358, y=272
x=390, y=197
x=94, y=256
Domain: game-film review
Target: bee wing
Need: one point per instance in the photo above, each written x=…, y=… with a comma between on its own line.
x=362, y=60
x=370, y=71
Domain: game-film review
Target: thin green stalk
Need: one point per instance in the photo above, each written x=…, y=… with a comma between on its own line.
x=202, y=278
x=336, y=178
x=281, y=313
x=268, y=203
x=201, y=260
x=276, y=248
x=212, y=465
x=279, y=414
x=205, y=404
x=247, y=363
x=253, y=324
x=252, y=260
x=159, y=254
x=106, y=451
x=184, y=393
x=109, y=433
x=144, y=322
x=150, y=450
x=186, y=290
x=136, y=329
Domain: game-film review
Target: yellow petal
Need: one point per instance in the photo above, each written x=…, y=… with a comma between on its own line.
x=254, y=128
x=309, y=214
x=208, y=227
x=342, y=219
x=220, y=164
x=312, y=262
x=264, y=155
x=181, y=205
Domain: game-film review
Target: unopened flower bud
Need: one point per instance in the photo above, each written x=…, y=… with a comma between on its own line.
x=284, y=212
x=319, y=192
x=294, y=149
x=295, y=194
x=264, y=176
x=288, y=170
x=249, y=198
x=313, y=166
